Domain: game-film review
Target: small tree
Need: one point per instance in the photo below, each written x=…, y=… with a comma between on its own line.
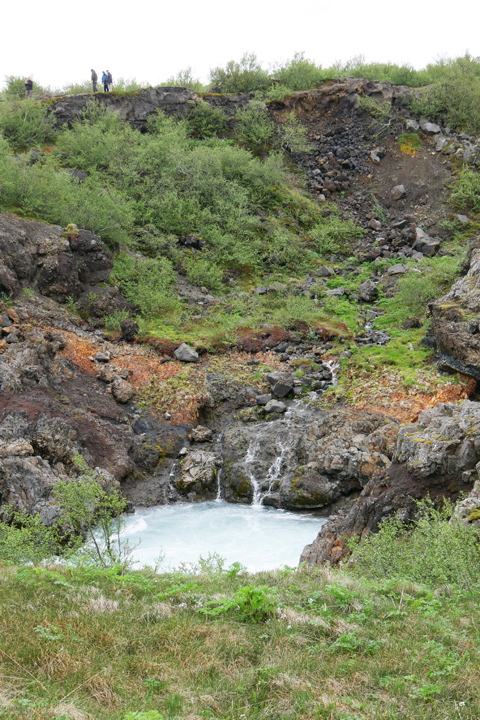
x=87, y=511
x=240, y=77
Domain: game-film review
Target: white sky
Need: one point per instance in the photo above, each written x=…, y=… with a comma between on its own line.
x=57, y=42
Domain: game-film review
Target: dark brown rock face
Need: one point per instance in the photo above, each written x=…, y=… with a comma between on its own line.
x=455, y=321
x=34, y=253
x=135, y=107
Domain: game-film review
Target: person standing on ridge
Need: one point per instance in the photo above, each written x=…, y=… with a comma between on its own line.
x=109, y=81
x=28, y=88
x=94, y=80
x=104, y=81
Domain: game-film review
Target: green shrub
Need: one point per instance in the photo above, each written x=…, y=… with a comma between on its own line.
x=186, y=79
x=435, y=551
x=45, y=190
x=113, y=321
x=466, y=193
x=205, y=121
x=415, y=290
x=244, y=76
x=333, y=235
x=26, y=539
x=293, y=135
x=455, y=97
x=26, y=123
x=85, y=510
x=147, y=284
x=255, y=129
x=299, y=73
x=202, y=271
x=279, y=91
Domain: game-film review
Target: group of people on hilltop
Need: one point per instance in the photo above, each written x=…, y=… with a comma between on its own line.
x=107, y=81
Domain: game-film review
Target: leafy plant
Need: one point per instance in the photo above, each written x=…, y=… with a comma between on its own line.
x=87, y=510
x=113, y=321
x=255, y=128
x=251, y=603
x=146, y=283
x=25, y=123
x=466, y=192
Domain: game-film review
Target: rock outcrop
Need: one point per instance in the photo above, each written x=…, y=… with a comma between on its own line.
x=40, y=256
x=437, y=457
x=308, y=458
x=455, y=321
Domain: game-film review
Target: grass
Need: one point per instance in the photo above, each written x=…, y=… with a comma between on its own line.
x=90, y=644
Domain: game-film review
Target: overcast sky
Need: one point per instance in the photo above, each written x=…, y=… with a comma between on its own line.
x=57, y=42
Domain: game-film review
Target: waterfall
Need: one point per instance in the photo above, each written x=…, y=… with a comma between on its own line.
x=264, y=487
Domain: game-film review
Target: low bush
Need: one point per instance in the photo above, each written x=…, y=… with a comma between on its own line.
x=25, y=123
x=299, y=73
x=147, y=284
x=333, y=235
x=466, y=193
x=455, y=98
x=205, y=121
x=246, y=75
x=416, y=289
x=434, y=551
x=203, y=271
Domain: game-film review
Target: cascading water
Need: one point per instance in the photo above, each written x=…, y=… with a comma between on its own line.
x=263, y=488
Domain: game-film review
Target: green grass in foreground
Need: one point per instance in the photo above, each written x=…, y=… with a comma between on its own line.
x=320, y=643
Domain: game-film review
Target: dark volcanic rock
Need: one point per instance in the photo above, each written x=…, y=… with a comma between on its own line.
x=34, y=252
x=455, y=319
x=307, y=459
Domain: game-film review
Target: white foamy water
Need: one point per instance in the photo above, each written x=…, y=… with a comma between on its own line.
x=258, y=537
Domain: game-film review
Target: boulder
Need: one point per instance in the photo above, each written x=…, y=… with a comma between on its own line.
x=198, y=475
x=281, y=382
x=446, y=439
x=186, y=354
x=425, y=244
x=275, y=406
x=397, y=269
x=129, y=329
x=398, y=192
x=201, y=434
x=430, y=128
x=122, y=391
x=368, y=291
